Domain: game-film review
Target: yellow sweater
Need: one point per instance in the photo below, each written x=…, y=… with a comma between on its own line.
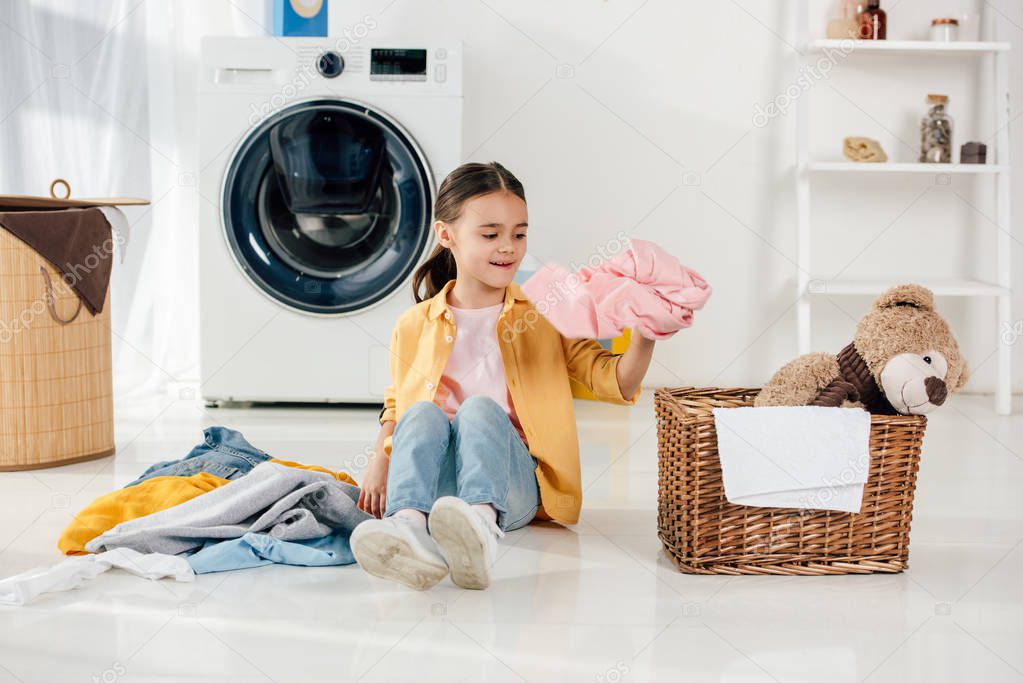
x=145, y=498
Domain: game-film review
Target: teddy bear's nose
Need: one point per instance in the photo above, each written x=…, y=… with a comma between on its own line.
x=937, y=392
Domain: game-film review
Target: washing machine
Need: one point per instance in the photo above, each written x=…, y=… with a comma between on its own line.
x=319, y=164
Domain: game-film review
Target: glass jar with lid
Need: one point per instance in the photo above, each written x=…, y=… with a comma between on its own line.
x=936, y=132
x=945, y=30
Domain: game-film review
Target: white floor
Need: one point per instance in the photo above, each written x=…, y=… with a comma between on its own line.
x=595, y=602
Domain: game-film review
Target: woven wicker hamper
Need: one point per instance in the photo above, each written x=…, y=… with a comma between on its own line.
x=56, y=392
x=705, y=534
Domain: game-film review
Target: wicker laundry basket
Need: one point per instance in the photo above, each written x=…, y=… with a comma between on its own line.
x=705, y=534
x=56, y=393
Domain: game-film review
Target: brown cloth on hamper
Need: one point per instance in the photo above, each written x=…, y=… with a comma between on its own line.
x=67, y=238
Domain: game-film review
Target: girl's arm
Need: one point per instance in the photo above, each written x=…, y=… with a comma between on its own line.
x=596, y=368
x=373, y=495
x=634, y=363
x=386, y=430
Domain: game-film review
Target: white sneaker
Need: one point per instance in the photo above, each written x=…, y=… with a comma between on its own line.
x=397, y=549
x=467, y=541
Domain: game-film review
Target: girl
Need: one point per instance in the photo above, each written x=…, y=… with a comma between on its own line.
x=478, y=433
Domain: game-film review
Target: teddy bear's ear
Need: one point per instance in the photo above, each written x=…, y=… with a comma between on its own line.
x=964, y=377
x=906, y=295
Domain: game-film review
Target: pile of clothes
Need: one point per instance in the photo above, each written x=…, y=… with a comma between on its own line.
x=226, y=505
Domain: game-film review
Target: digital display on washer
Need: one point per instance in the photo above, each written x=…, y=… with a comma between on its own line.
x=397, y=64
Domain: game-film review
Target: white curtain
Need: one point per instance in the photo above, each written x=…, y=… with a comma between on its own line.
x=104, y=94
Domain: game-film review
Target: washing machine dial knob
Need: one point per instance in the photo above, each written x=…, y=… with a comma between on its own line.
x=330, y=64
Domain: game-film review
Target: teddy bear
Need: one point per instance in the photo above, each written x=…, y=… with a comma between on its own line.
x=903, y=360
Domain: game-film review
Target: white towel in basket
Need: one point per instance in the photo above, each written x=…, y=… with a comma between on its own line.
x=794, y=457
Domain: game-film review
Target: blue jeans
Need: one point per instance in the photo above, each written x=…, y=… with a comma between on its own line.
x=224, y=453
x=477, y=456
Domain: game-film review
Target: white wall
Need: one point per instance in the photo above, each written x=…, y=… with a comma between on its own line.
x=648, y=127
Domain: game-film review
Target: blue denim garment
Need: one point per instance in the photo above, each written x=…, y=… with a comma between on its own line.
x=257, y=549
x=477, y=456
x=224, y=453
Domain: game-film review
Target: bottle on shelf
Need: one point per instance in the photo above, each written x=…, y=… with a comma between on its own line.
x=936, y=132
x=873, y=21
x=843, y=24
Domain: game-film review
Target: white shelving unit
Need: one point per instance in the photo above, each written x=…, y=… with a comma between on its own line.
x=915, y=46
x=851, y=167
x=807, y=169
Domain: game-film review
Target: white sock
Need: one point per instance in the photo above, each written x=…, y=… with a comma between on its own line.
x=489, y=514
x=417, y=517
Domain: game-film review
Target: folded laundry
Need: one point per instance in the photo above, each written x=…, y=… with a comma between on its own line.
x=75, y=241
x=256, y=550
x=287, y=502
x=223, y=452
x=69, y=574
x=795, y=457
x=644, y=288
x=152, y=495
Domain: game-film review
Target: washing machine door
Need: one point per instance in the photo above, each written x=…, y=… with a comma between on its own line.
x=326, y=206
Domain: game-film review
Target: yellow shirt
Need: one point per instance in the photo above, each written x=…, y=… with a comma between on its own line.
x=539, y=364
x=145, y=498
x=340, y=476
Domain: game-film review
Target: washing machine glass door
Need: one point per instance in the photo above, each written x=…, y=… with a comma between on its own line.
x=326, y=206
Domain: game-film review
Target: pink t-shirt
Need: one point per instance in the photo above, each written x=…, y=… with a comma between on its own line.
x=475, y=367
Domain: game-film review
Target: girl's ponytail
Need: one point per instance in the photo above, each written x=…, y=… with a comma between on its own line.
x=464, y=183
x=434, y=273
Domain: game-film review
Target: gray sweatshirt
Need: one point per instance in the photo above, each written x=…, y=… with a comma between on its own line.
x=286, y=502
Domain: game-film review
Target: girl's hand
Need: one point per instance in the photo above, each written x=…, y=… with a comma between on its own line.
x=373, y=496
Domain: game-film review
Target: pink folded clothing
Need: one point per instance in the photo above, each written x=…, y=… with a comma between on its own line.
x=644, y=288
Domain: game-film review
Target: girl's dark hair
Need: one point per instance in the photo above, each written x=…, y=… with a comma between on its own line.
x=464, y=183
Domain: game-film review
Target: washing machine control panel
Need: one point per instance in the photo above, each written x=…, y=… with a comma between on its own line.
x=284, y=68
x=330, y=64
x=397, y=64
